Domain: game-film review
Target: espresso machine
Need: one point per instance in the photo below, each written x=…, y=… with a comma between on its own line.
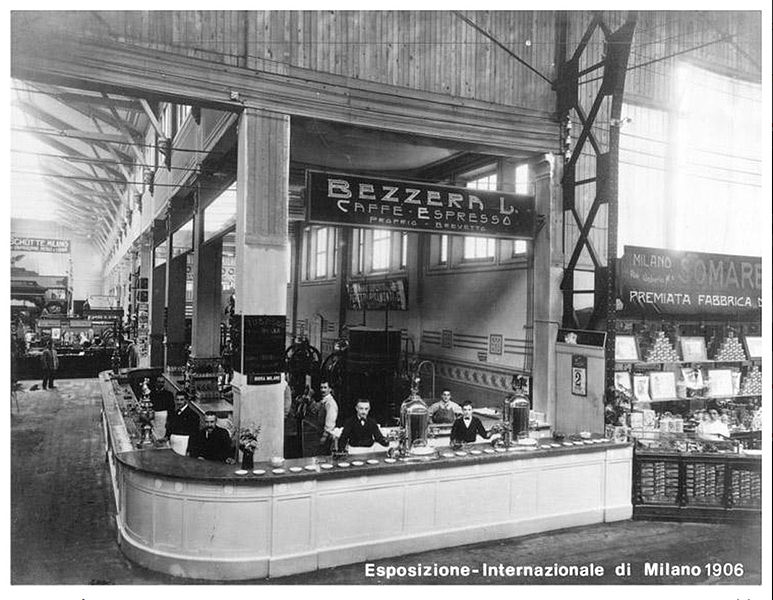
x=414, y=426
x=515, y=413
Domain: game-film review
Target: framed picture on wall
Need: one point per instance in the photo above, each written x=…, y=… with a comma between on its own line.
x=720, y=382
x=693, y=349
x=753, y=346
x=663, y=385
x=641, y=388
x=623, y=381
x=626, y=348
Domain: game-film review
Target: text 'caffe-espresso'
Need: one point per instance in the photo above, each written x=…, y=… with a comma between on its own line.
x=407, y=205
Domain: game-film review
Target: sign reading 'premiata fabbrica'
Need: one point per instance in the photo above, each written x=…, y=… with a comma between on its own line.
x=339, y=199
x=667, y=282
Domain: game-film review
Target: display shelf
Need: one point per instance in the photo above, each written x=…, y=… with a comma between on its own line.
x=707, y=398
x=693, y=486
x=642, y=363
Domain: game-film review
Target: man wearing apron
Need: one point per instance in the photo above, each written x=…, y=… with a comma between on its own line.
x=181, y=425
x=163, y=406
x=444, y=410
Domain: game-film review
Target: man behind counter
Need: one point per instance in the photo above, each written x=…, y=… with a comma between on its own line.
x=467, y=427
x=330, y=406
x=360, y=430
x=444, y=410
x=211, y=442
x=181, y=425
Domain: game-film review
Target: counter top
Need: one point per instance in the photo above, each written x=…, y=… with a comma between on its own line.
x=166, y=463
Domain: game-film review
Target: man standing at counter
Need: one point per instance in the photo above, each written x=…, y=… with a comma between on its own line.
x=467, y=427
x=330, y=406
x=360, y=431
x=181, y=425
x=163, y=405
x=444, y=410
x=212, y=442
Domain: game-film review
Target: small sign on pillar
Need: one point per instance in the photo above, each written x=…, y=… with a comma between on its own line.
x=263, y=348
x=579, y=375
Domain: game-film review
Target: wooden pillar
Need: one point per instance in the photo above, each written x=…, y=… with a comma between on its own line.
x=157, y=286
x=207, y=297
x=548, y=271
x=261, y=258
x=175, y=307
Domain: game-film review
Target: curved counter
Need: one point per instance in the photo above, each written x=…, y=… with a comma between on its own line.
x=199, y=519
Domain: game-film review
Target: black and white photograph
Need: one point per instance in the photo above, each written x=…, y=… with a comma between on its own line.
x=333, y=297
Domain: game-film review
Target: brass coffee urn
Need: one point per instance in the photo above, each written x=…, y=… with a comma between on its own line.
x=414, y=422
x=515, y=413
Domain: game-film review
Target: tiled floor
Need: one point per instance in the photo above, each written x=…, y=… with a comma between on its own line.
x=63, y=530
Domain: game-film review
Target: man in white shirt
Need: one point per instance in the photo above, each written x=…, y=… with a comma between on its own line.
x=330, y=407
x=444, y=410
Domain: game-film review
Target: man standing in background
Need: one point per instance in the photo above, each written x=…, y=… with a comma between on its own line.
x=50, y=363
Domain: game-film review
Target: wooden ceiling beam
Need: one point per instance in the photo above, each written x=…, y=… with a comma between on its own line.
x=95, y=110
x=52, y=141
x=70, y=96
x=133, y=70
x=136, y=146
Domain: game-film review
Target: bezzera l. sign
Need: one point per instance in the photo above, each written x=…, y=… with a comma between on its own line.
x=341, y=199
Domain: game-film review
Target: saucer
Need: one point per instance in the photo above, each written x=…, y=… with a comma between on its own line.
x=448, y=454
x=241, y=472
x=259, y=472
x=310, y=467
x=500, y=449
x=277, y=471
x=295, y=469
x=343, y=464
x=357, y=463
x=567, y=444
x=326, y=466
x=460, y=453
x=489, y=451
x=476, y=452
x=372, y=461
x=390, y=460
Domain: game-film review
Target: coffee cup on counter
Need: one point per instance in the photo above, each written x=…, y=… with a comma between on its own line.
x=277, y=461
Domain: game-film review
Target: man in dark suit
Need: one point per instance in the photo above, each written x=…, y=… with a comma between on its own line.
x=467, y=427
x=360, y=430
x=181, y=425
x=212, y=442
x=50, y=363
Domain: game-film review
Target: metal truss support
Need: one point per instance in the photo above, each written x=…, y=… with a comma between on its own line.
x=600, y=130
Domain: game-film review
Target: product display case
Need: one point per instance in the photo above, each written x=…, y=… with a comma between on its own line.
x=693, y=399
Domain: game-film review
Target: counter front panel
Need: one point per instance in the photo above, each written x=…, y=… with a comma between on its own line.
x=202, y=520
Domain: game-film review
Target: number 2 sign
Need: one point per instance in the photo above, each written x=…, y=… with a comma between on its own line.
x=579, y=375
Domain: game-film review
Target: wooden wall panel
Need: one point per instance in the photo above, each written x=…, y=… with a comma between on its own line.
x=433, y=51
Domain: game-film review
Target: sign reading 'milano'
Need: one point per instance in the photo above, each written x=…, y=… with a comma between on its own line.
x=339, y=199
x=667, y=282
